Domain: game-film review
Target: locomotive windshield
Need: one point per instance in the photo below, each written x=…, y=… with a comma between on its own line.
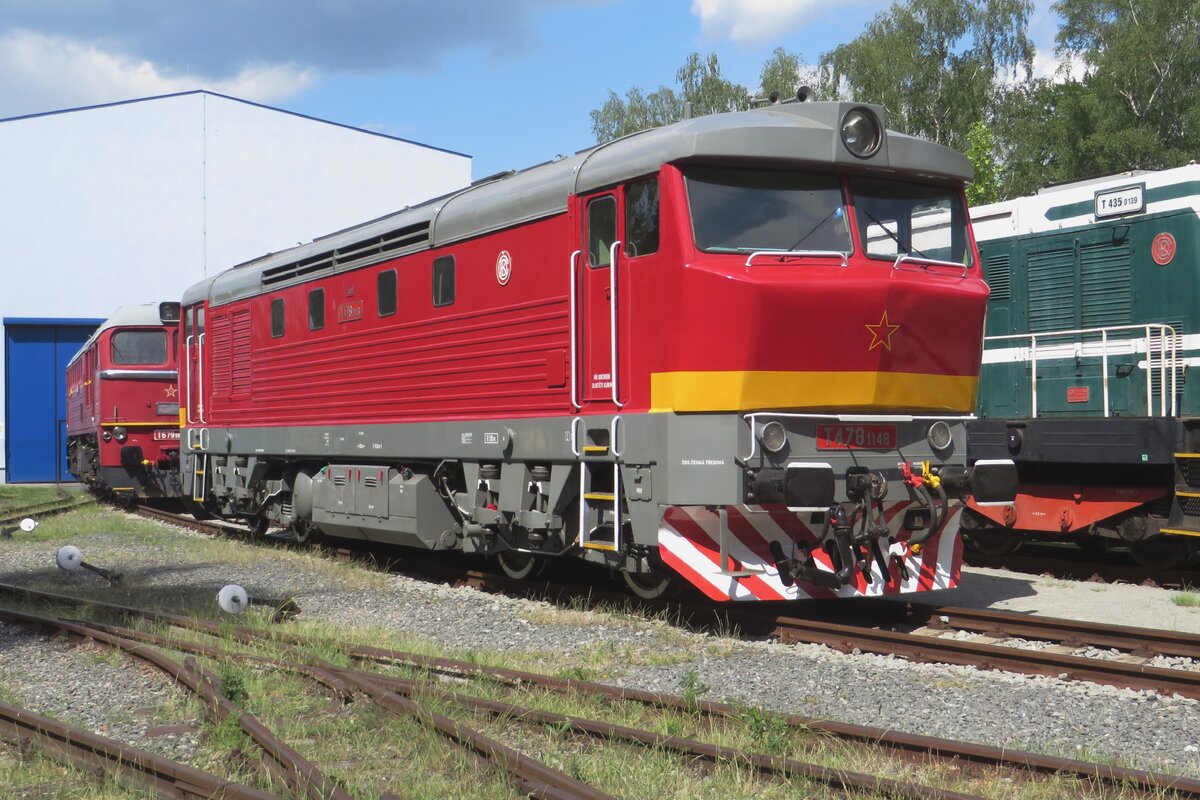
x=741, y=210
x=908, y=219
x=139, y=347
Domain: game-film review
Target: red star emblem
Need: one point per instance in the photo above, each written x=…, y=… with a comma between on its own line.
x=881, y=333
x=171, y=391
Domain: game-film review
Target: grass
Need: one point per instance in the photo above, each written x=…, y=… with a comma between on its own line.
x=1186, y=599
x=370, y=752
x=14, y=498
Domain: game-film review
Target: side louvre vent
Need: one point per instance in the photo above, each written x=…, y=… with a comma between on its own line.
x=218, y=330
x=241, y=369
x=390, y=242
x=1104, y=296
x=286, y=272
x=373, y=249
x=1051, y=290
x=997, y=271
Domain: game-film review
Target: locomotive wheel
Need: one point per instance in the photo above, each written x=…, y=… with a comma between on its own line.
x=651, y=585
x=1165, y=552
x=520, y=566
x=993, y=542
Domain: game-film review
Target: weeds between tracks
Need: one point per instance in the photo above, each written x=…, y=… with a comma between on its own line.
x=370, y=752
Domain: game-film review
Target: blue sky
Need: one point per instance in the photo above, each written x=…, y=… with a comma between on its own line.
x=509, y=83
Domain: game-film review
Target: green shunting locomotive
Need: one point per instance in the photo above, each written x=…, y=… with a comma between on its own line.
x=1093, y=327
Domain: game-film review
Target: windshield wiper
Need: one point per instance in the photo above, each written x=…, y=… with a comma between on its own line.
x=837, y=211
x=899, y=244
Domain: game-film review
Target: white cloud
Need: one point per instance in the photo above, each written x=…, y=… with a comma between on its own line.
x=1047, y=64
x=754, y=21
x=45, y=73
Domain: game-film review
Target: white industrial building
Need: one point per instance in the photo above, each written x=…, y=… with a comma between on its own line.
x=133, y=202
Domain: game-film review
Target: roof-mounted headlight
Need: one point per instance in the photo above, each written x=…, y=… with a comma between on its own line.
x=861, y=132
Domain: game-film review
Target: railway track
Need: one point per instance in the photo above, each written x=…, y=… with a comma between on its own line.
x=64, y=503
x=130, y=765
x=920, y=637
x=930, y=647
x=409, y=696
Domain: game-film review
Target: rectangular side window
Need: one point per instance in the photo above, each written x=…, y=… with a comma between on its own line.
x=385, y=292
x=277, y=317
x=138, y=347
x=443, y=281
x=602, y=230
x=641, y=218
x=316, y=309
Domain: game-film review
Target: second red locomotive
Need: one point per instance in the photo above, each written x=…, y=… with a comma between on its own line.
x=123, y=405
x=739, y=349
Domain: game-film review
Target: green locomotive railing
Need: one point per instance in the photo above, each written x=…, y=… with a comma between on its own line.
x=1087, y=346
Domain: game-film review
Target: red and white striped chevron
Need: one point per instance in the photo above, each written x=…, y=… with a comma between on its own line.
x=688, y=543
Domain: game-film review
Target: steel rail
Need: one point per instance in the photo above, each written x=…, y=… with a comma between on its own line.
x=543, y=781
x=129, y=764
x=302, y=775
x=915, y=744
x=533, y=779
x=341, y=678
x=200, y=525
x=46, y=509
x=936, y=650
x=766, y=764
x=1068, y=631
x=342, y=690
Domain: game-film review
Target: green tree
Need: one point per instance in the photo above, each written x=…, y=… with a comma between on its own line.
x=1042, y=132
x=701, y=84
x=933, y=64
x=1136, y=107
x=781, y=73
x=1143, y=74
x=981, y=148
x=638, y=111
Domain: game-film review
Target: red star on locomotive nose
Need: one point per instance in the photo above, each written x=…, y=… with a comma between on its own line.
x=881, y=333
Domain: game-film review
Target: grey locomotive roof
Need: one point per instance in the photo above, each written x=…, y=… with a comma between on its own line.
x=796, y=132
x=125, y=316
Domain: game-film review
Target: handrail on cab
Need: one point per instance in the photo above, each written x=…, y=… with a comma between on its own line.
x=845, y=258
x=929, y=262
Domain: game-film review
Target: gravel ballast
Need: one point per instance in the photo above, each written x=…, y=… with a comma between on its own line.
x=1047, y=715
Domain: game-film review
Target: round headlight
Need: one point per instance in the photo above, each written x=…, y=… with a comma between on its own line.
x=107, y=436
x=940, y=436
x=861, y=132
x=773, y=437
x=120, y=433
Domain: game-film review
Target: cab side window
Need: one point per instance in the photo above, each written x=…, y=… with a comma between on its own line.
x=602, y=230
x=385, y=293
x=316, y=309
x=277, y=317
x=641, y=218
x=443, y=281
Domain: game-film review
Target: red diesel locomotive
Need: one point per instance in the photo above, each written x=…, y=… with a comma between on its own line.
x=738, y=349
x=123, y=405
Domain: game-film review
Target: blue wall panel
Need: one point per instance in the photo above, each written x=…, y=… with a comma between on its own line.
x=36, y=354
